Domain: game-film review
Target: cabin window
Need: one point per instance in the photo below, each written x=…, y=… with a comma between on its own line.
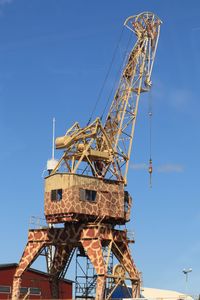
x=88, y=195
x=126, y=201
x=56, y=195
x=5, y=289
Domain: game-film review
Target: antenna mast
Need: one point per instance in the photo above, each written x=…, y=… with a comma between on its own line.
x=53, y=138
x=51, y=163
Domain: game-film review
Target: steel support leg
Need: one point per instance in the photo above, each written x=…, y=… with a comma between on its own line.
x=31, y=252
x=122, y=252
x=94, y=251
x=62, y=253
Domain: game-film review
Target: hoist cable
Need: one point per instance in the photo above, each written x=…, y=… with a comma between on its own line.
x=106, y=77
x=111, y=92
x=150, y=113
x=117, y=76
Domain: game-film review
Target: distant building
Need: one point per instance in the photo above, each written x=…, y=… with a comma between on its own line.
x=123, y=293
x=33, y=281
x=151, y=293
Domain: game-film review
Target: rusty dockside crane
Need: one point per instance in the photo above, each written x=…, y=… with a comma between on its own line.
x=85, y=191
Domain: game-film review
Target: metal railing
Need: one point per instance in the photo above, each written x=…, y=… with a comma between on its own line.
x=37, y=223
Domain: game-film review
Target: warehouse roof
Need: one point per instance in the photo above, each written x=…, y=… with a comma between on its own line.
x=15, y=265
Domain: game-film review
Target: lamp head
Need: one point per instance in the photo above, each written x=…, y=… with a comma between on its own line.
x=187, y=271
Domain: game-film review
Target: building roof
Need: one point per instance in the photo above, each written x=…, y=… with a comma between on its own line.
x=124, y=293
x=15, y=265
x=150, y=293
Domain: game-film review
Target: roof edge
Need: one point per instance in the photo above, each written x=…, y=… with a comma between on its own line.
x=15, y=265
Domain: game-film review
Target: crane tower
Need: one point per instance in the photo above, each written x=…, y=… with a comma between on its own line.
x=85, y=192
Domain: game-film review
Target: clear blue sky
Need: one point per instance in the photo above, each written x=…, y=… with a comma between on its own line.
x=54, y=56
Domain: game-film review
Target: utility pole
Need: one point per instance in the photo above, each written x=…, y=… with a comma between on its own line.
x=186, y=272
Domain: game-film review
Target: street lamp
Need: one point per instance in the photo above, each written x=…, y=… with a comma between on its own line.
x=185, y=272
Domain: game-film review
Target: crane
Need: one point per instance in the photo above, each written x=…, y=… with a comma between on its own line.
x=106, y=148
x=85, y=192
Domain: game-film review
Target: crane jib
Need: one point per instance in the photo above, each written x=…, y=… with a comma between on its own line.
x=105, y=149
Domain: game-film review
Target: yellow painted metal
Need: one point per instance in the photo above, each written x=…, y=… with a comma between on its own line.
x=103, y=150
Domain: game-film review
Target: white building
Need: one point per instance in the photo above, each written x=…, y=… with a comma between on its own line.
x=150, y=293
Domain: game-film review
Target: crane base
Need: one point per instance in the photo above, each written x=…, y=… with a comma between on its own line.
x=91, y=238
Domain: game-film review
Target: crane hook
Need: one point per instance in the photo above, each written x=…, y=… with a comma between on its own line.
x=150, y=172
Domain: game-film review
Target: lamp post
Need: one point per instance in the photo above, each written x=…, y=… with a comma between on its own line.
x=185, y=272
